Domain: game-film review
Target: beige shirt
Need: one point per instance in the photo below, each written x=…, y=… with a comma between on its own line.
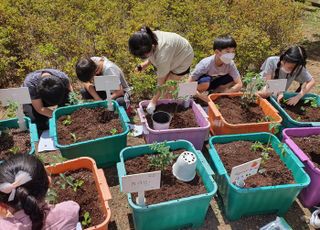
x=172, y=54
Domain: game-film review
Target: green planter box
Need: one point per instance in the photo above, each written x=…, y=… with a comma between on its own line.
x=288, y=122
x=174, y=214
x=239, y=202
x=13, y=123
x=104, y=150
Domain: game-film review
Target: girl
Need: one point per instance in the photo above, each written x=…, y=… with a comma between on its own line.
x=23, y=187
x=291, y=65
x=170, y=53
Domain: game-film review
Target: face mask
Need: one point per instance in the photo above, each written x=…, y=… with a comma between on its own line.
x=285, y=70
x=227, y=58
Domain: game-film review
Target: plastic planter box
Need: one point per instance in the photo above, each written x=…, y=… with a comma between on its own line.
x=100, y=181
x=288, y=122
x=174, y=214
x=196, y=135
x=239, y=202
x=220, y=126
x=310, y=196
x=13, y=123
x=104, y=150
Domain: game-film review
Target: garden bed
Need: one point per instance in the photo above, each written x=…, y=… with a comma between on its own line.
x=302, y=111
x=86, y=124
x=239, y=152
x=171, y=188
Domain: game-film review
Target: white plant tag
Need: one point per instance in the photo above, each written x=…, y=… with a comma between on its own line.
x=241, y=172
x=107, y=83
x=141, y=182
x=187, y=89
x=276, y=86
x=21, y=96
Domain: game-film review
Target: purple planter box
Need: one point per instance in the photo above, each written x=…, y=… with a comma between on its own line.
x=309, y=196
x=196, y=135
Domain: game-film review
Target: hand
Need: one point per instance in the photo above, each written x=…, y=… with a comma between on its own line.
x=151, y=107
x=294, y=100
x=139, y=68
x=279, y=98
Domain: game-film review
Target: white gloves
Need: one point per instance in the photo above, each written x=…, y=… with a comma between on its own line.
x=151, y=107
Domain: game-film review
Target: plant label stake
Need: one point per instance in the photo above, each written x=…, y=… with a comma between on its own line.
x=241, y=172
x=276, y=86
x=186, y=90
x=140, y=183
x=19, y=95
x=107, y=83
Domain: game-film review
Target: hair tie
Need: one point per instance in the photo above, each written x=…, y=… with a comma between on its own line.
x=21, y=178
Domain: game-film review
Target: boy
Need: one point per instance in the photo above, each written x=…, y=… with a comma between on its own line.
x=47, y=87
x=87, y=68
x=218, y=73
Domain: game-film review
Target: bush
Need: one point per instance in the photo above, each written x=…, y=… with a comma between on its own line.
x=42, y=33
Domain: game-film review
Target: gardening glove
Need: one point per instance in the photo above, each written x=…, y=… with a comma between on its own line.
x=151, y=107
x=294, y=100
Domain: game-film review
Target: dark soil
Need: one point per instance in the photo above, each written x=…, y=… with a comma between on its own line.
x=234, y=113
x=310, y=146
x=171, y=188
x=86, y=196
x=302, y=111
x=238, y=152
x=14, y=141
x=183, y=118
x=88, y=124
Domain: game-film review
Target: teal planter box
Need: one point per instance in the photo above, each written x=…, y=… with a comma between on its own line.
x=174, y=214
x=13, y=123
x=240, y=202
x=288, y=122
x=104, y=150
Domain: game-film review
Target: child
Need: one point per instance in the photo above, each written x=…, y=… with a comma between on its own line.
x=170, y=53
x=291, y=65
x=23, y=187
x=218, y=73
x=47, y=87
x=87, y=68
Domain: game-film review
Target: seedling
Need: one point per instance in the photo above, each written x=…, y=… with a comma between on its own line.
x=164, y=158
x=69, y=180
x=265, y=119
x=253, y=83
x=312, y=100
x=86, y=219
x=264, y=149
x=51, y=196
x=67, y=121
x=14, y=150
x=281, y=147
x=74, y=137
x=74, y=99
x=12, y=109
x=113, y=131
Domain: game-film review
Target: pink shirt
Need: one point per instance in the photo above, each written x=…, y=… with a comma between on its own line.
x=62, y=216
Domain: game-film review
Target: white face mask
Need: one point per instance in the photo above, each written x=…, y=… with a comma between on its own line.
x=227, y=58
x=285, y=70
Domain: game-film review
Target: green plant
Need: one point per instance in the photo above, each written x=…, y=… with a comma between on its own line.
x=164, y=158
x=86, y=219
x=69, y=180
x=74, y=137
x=74, y=98
x=51, y=196
x=263, y=148
x=67, y=121
x=14, y=150
x=11, y=109
x=253, y=84
x=312, y=100
x=113, y=131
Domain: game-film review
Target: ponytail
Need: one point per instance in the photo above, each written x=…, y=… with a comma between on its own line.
x=146, y=29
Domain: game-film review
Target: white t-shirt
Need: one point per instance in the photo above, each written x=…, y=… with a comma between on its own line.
x=172, y=54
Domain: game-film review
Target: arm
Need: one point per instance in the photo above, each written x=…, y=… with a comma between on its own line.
x=237, y=86
x=90, y=88
x=143, y=65
x=38, y=106
x=305, y=89
x=117, y=93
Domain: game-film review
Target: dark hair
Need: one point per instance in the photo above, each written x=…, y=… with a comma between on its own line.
x=29, y=195
x=223, y=42
x=296, y=55
x=141, y=42
x=85, y=69
x=51, y=90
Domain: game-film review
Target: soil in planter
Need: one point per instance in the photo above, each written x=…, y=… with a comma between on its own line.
x=182, y=117
x=86, y=196
x=302, y=111
x=310, y=146
x=14, y=141
x=171, y=188
x=87, y=124
x=234, y=113
x=238, y=152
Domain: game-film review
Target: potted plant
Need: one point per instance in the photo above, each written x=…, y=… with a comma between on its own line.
x=81, y=181
x=188, y=121
x=233, y=113
x=90, y=130
x=304, y=142
x=304, y=114
x=255, y=197
x=169, y=209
